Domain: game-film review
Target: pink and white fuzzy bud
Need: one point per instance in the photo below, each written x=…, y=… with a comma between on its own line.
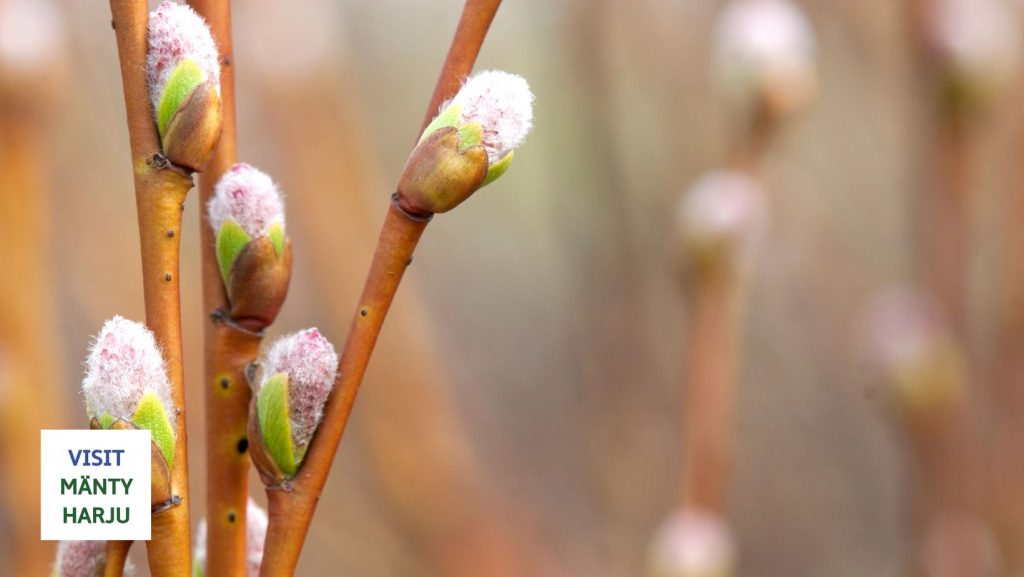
x=177, y=33
x=124, y=364
x=247, y=196
x=979, y=41
x=80, y=559
x=31, y=36
x=311, y=364
x=255, y=536
x=722, y=214
x=903, y=328
x=914, y=349
x=764, y=51
x=692, y=543
x=502, y=104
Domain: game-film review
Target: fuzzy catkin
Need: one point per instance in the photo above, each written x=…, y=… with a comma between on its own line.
x=124, y=363
x=311, y=364
x=247, y=196
x=503, y=106
x=177, y=33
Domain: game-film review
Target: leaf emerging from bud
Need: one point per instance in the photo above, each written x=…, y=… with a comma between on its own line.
x=494, y=111
x=255, y=536
x=720, y=220
x=299, y=371
x=126, y=380
x=692, y=544
x=184, y=84
x=247, y=215
x=764, y=56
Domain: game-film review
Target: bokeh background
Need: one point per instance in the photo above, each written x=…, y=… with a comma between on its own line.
x=523, y=408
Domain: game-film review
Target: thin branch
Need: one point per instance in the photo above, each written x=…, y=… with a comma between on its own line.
x=160, y=191
x=476, y=19
x=291, y=506
x=227, y=352
x=117, y=556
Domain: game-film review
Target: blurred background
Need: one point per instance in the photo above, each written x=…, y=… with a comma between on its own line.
x=523, y=408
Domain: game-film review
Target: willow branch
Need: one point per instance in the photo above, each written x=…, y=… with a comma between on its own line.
x=709, y=419
x=160, y=190
x=117, y=556
x=476, y=19
x=227, y=351
x=291, y=506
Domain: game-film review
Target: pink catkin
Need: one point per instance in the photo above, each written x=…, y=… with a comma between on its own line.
x=311, y=364
x=124, y=364
x=724, y=209
x=248, y=197
x=503, y=106
x=80, y=559
x=177, y=33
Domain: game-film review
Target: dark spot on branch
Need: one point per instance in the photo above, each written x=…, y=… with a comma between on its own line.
x=243, y=445
x=225, y=383
x=168, y=277
x=159, y=161
x=170, y=234
x=232, y=517
x=364, y=311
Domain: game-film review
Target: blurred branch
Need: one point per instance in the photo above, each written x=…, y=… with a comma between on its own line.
x=31, y=363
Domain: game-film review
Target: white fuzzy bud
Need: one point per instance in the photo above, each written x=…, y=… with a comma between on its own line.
x=124, y=364
x=913, y=347
x=764, y=54
x=311, y=364
x=978, y=41
x=692, y=543
x=503, y=106
x=247, y=196
x=722, y=216
x=31, y=35
x=177, y=33
x=80, y=559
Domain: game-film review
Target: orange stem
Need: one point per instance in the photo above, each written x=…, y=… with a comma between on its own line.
x=160, y=191
x=709, y=414
x=291, y=506
x=476, y=19
x=228, y=351
x=117, y=555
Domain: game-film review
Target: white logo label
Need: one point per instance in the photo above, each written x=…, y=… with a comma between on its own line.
x=95, y=485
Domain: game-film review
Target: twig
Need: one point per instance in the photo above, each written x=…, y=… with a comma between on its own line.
x=117, y=556
x=291, y=506
x=709, y=415
x=476, y=19
x=160, y=190
x=228, y=351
